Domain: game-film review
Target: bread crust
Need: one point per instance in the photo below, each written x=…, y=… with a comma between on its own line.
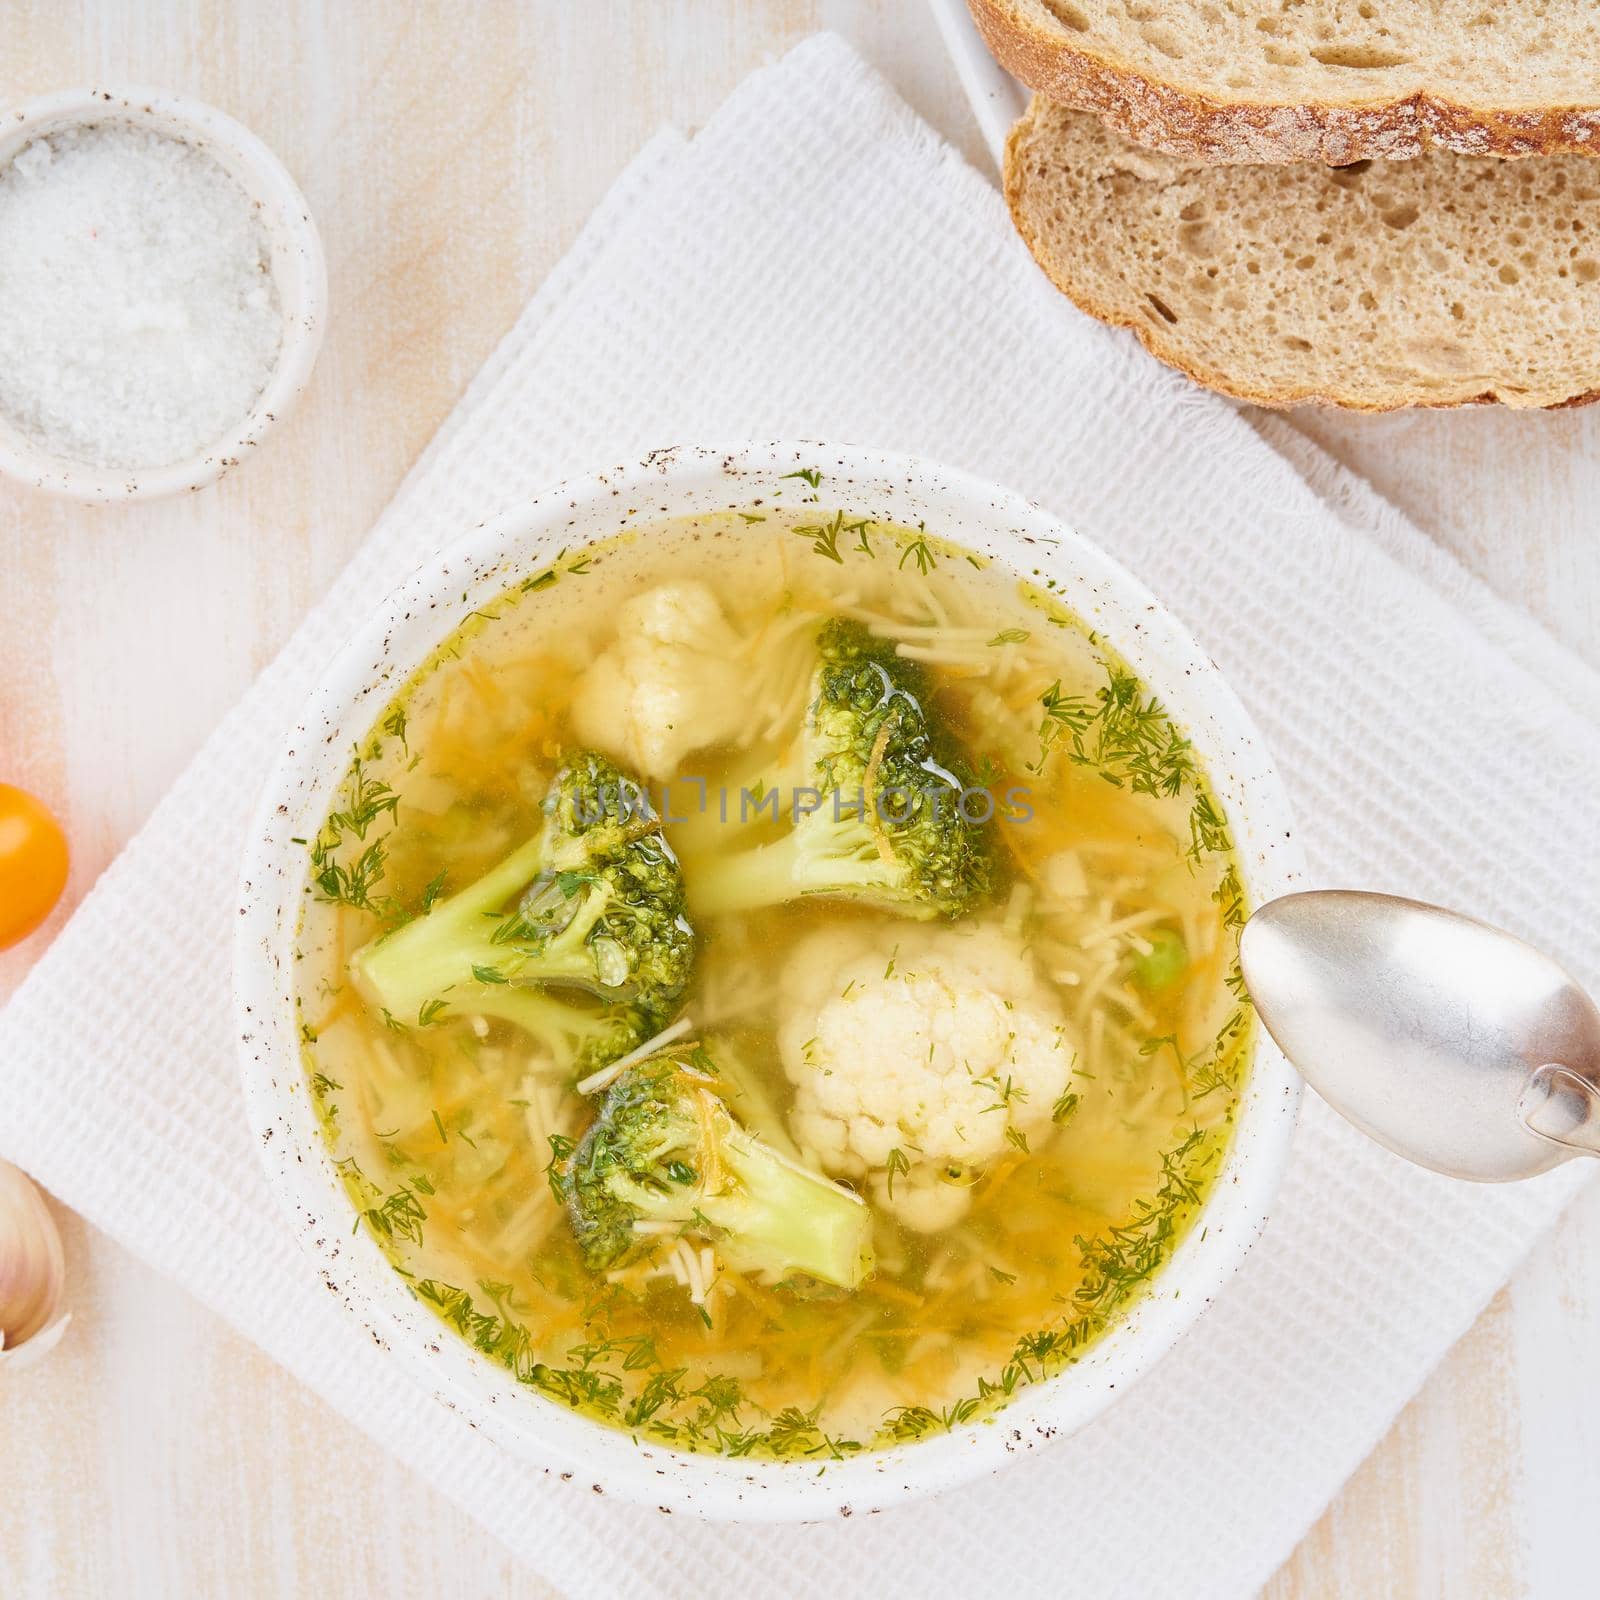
x=1233, y=385
x=1199, y=126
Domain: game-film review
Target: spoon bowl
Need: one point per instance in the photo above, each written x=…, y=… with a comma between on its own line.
x=1452, y=1043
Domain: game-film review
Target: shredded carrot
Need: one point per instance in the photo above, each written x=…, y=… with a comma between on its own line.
x=885, y=1290
x=712, y=1178
x=869, y=793
x=763, y=1302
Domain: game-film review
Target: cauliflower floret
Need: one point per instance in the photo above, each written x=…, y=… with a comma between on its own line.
x=671, y=684
x=928, y=1199
x=946, y=1054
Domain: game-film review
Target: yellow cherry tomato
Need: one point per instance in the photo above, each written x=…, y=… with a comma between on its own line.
x=33, y=864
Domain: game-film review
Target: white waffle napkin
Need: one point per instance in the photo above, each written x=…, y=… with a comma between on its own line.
x=817, y=263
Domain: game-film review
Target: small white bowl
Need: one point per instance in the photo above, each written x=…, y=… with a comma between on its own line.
x=298, y=270
x=354, y=691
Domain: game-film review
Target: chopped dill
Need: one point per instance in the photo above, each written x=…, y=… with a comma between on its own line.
x=921, y=552
x=1221, y=1067
x=795, y=1432
x=398, y=1216
x=641, y=1353
x=914, y=1422
x=1229, y=895
x=1208, y=830
x=1065, y=1105
x=824, y=537
x=1122, y=1258
x=549, y=575
x=353, y=882
x=502, y=1338
x=719, y=1396
x=1129, y=738
x=366, y=800
x=896, y=1166
x=660, y=1389
x=1006, y=1093
x=1132, y=743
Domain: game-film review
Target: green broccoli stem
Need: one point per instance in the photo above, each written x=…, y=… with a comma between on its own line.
x=563, y=1030
x=784, y=1218
x=742, y=802
x=821, y=855
x=751, y=1103
x=448, y=945
x=576, y=1038
x=417, y=964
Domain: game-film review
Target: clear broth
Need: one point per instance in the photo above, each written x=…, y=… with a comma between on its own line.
x=442, y=1132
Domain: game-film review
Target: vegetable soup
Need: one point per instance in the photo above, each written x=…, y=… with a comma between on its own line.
x=770, y=980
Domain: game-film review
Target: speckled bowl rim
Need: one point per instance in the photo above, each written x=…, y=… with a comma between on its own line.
x=298, y=269
x=352, y=694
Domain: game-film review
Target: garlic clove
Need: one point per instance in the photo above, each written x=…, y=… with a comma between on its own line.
x=32, y=1272
x=37, y=1348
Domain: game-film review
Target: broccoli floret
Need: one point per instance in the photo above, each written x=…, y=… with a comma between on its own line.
x=883, y=824
x=664, y=1149
x=593, y=906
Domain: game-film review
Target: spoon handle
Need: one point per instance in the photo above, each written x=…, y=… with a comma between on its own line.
x=1564, y=1106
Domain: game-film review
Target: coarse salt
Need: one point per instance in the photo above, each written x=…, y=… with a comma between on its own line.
x=139, y=321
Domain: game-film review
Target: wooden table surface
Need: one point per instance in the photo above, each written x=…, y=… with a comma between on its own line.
x=451, y=153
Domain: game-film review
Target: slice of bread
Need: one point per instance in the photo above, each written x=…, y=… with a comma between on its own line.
x=1316, y=80
x=1448, y=280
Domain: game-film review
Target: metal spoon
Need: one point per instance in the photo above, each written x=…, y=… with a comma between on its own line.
x=1454, y=1044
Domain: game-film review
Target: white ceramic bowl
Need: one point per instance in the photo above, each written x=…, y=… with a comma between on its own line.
x=352, y=696
x=298, y=269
